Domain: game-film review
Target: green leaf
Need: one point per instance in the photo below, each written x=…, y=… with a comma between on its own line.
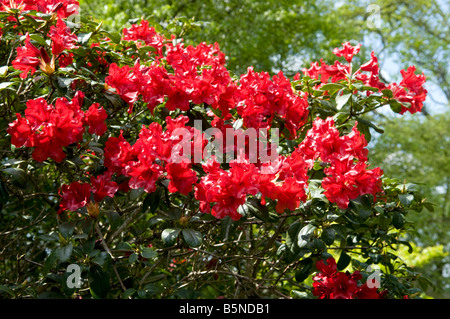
x=425, y=283
x=99, y=282
x=370, y=124
x=18, y=174
x=6, y=85
x=328, y=236
x=64, y=82
x=4, y=194
x=395, y=105
x=428, y=206
x=406, y=199
x=50, y=237
x=128, y=293
x=66, y=229
x=406, y=243
x=49, y=263
x=3, y=71
x=101, y=258
x=30, y=19
x=260, y=211
x=174, y=213
x=398, y=220
x=148, y=253
x=387, y=93
x=341, y=100
x=133, y=258
x=331, y=87
x=364, y=130
x=7, y=290
x=63, y=253
x=83, y=38
x=344, y=261
x=306, y=266
x=169, y=235
x=292, y=234
x=192, y=237
x=369, y=88
x=38, y=38
x=115, y=37
x=152, y=201
x=305, y=234
x=317, y=244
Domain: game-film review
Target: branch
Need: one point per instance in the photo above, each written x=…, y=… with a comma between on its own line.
x=105, y=246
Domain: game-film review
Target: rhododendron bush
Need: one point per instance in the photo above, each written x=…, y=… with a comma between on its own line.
x=160, y=174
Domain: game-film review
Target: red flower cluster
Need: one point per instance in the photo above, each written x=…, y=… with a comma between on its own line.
x=261, y=99
x=61, y=8
x=347, y=51
x=283, y=180
x=145, y=33
x=77, y=195
x=62, y=38
x=410, y=90
x=49, y=128
x=371, y=78
x=146, y=161
x=228, y=189
x=331, y=284
x=347, y=173
x=29, y=57
x=177, y=77
x=198, y=77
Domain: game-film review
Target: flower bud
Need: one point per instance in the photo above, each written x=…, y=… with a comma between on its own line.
x=93, y=210
x=47, y=65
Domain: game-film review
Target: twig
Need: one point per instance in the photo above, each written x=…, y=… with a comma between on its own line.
x=105, y=246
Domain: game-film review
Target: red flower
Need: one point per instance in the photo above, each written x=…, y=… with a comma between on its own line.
x=62, y=38
x=120, y=79
x=145, y=33
x=346, y=181
x=372, y=65
x=181, y=176
x=414, y=83
x=144, y=173
x=347, y=51
x=20, y=132
x=28, y=58
x=95, y=118
x=329, y=283
x=118, y=153
x=289, y=195
x=324, y=72
x=50, y=128
x=65, y=60
x=342, y=286
x=329, y=268
x=364, y=292
x=74, y=196
x=227, y=189
x=102, y=186
x=62, y=8
x=261, y=98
